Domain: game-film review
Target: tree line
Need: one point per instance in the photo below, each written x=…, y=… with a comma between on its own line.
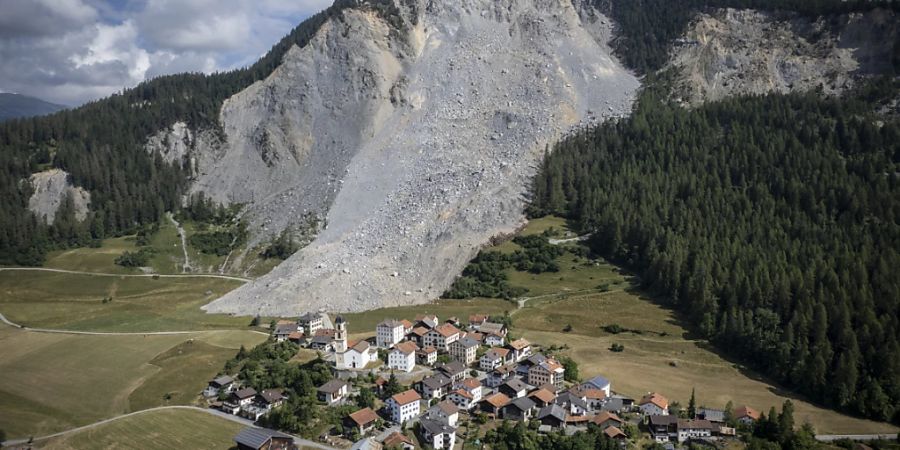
x=773, y=222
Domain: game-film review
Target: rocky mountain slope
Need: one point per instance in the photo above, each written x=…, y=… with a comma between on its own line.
x=50, y=189
x=734, y=52
x=415, y=142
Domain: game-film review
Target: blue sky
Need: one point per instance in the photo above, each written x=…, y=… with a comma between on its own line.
x=74, y=51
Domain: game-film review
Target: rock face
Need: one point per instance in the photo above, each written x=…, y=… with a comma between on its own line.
x=736, y=52
x=51, y=188
x=415, y=144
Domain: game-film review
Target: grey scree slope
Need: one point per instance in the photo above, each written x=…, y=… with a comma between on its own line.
x=420, y=146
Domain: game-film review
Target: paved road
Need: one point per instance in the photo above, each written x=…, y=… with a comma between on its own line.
x=855, y=437
x=297, y=440
x=116, y=333
x=148, y=275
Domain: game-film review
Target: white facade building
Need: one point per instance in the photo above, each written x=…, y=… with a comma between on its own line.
x=389, y=333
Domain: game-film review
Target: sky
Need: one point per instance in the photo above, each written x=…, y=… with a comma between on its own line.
x=74, y=51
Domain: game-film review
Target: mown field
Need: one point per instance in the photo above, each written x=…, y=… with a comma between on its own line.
x=53, y=382
x=102, y=303
x=153, y=430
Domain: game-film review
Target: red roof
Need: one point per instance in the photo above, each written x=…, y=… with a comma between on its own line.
x=746, y=411
x=407, y=347
x=655, y=399
x=407, y=397
x=446, y=330
x=364, y=417
x=497, y=400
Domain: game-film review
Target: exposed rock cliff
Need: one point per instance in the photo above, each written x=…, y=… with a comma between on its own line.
x=51, y=187
x=736, y=52
x=416, y=143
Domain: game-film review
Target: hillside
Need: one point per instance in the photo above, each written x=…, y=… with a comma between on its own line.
x=15, y=106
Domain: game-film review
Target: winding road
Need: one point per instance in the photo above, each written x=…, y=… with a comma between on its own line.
x=305, y=443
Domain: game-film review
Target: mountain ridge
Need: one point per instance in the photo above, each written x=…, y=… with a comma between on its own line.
x=18, y=106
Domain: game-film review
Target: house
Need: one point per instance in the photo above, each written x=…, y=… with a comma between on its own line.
x=403, y=356
x=407, y=327
x=298, y=338
x=283, y=330
x=598, y=382
x=520, y=409
x=478, y=337
x=663, y=428
x=453, y=320
x=521, y=349
x=437, y=435
x=476, y=320
x=494, y=403
x=271, y=398
x=389, y=333
x=252, y=438
x=593, y=398
x=499, y=375
x=467, y=394
x=366, y=444
x=359, y=355
x=363, y=420
x=688, y=429
x=514, y=388
x=445, y=411
x=441, y=336
x=526, y=364
x=577, y=421
x=404, y=406
x=654, y=404
x=426, y=356
x=454, y=370
x=435, y=386
x=417, y=335
x=223, y=383
x=617, y=403
x=379, y=384
x=605, y=420
x=493, y=340
x=553, y=416
x=492, y=328
x=398, y=440
x=239, y=399
x=615, y=433
x=310, y=323
x=464, y=350
x=573, y=404
x=322, y=339
x=493, y=359
x=746, y=415
x=427, y=320
x=548, y=372
x=542, y=397
x=712, y=415
x=332, y=391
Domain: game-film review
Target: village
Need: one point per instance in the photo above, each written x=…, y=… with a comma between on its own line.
x=429, y=374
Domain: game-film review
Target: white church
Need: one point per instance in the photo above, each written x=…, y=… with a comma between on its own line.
x=356, y=355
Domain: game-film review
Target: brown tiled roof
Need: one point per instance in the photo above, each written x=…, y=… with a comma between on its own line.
x=406, y=324
x=407, y=397
x=593, y=394
x=746, y=411
x=463, y=393
x=380, y=381
x=395, y=439
x=325, y=332
x=448, y=407
x=656, y=399
x=576, y=419
x=550, y=387
x=499, y=352
x=477, y=318
x=474, y=335
x=605, y=416
x=419, y=331
x=471, y=383
x=614, y=432
x=364, y=416
x=543, y=395
x=429, y=349
x=295, y=336
x=497, y=400
x=446, y=330
x=519, y=344
x=407, y=347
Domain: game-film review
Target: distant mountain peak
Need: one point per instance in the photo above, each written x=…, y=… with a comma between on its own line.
x=15, y=106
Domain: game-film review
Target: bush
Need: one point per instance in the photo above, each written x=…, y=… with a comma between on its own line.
x=135, y=259
x=613, y=328
x=616, y=347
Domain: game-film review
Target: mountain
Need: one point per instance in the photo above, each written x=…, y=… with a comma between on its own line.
x=14, y=106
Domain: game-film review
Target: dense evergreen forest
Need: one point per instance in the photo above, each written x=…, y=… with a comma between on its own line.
x=773, y=222
x=646, y=28
x=101, y=145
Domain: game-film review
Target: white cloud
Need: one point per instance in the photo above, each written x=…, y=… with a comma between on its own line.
x=72, y=51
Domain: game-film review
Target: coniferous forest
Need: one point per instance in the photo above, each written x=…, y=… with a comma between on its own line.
x=772, y=222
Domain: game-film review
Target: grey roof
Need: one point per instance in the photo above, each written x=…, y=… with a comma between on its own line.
x=366, y=444
x=323, y=339
x=613, y=404
x=310, y=317
x=552, y=410
x=712, y=415
x=597, y=382
x=515, y=384
x=285, y=328
x=257, y=437
x=567, y=398
x=224, y=380
x=661, y=420
x=523, y=403
x=390, y=323
x=491, y=327
x=452, y=368
x=272, y=395
x=436, y=381
x=436, y=427
x=332, y=386
x=536, y=359
x=469, y=342
x=245, y=393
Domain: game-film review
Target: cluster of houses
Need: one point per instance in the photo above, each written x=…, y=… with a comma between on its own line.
x=481, y=372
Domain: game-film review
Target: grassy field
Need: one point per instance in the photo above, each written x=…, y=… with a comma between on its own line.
x=76, y=302
x=52, y=382
x=154, y=430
